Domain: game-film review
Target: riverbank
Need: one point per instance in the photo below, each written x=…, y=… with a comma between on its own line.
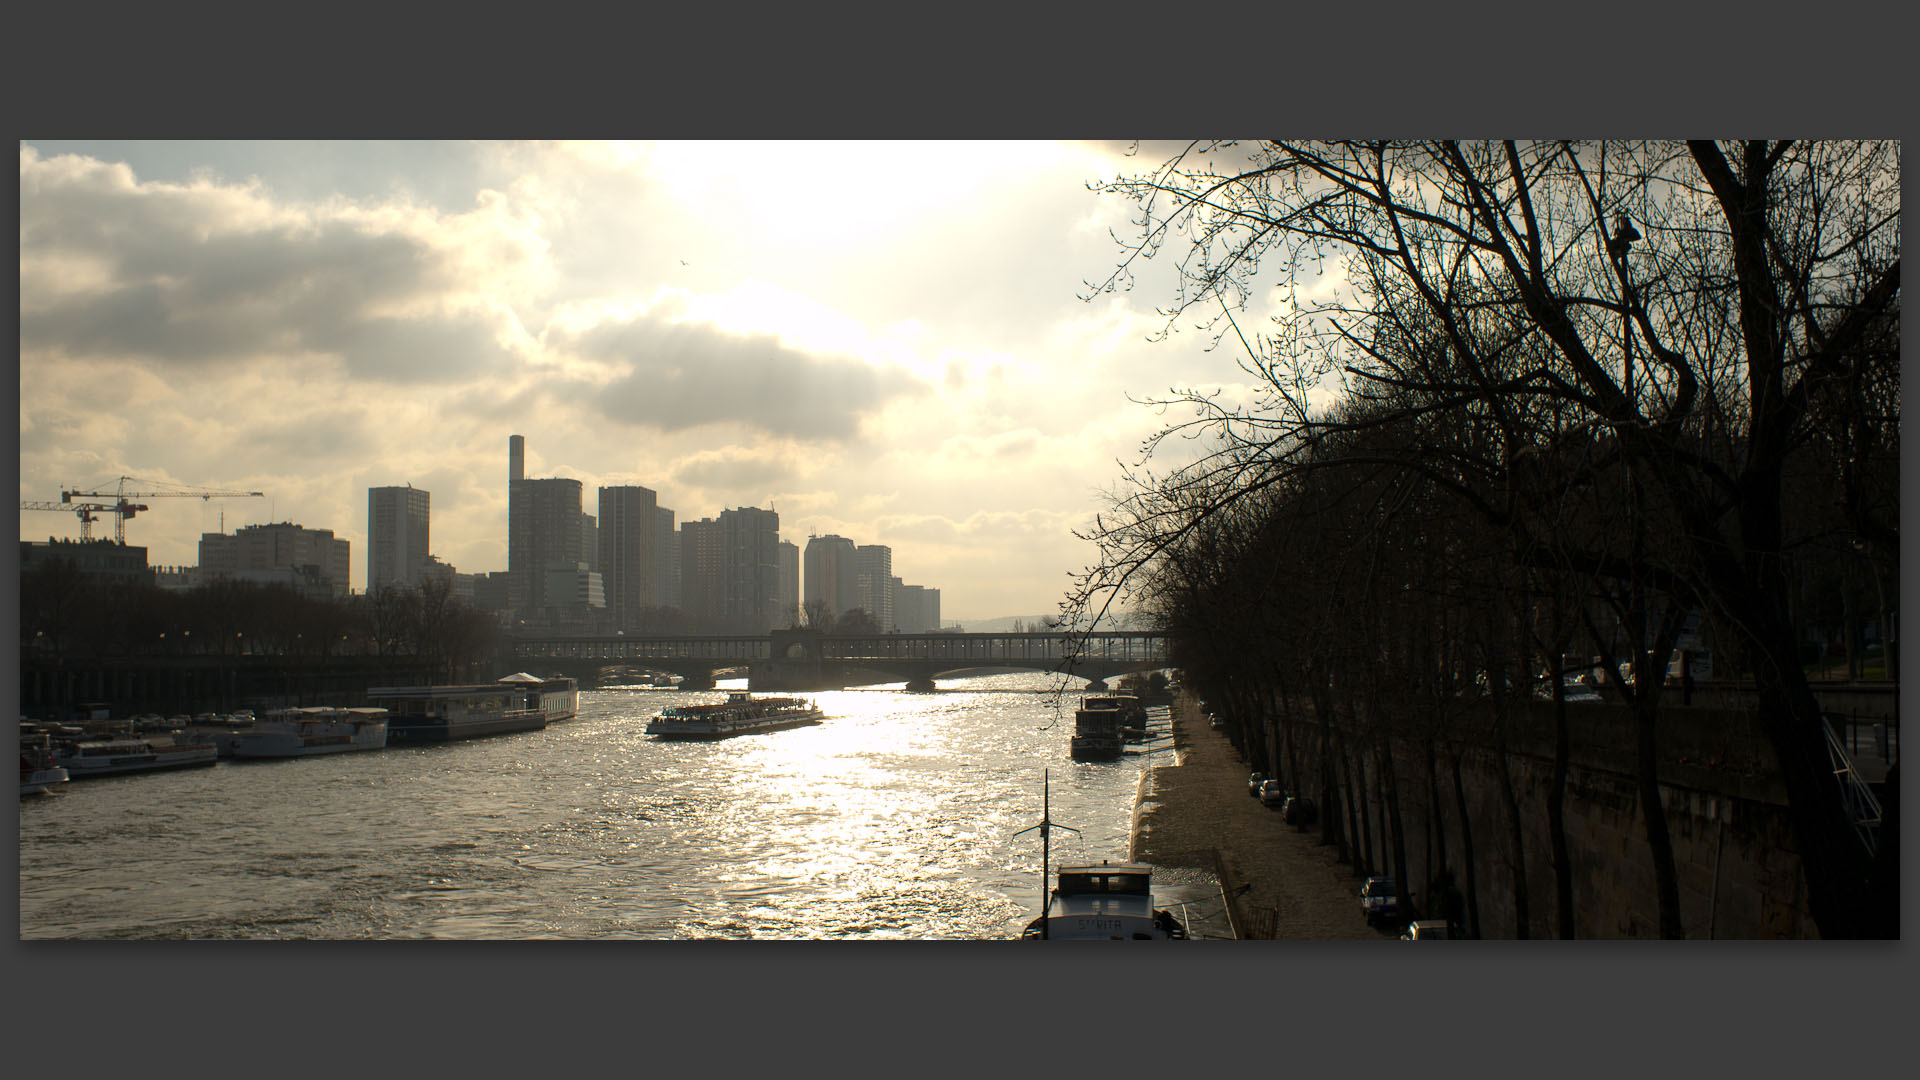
x=1197, y=814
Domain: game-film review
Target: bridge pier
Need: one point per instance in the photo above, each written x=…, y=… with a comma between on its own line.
x=921, y=684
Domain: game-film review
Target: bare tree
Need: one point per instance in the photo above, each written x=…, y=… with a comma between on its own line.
x=1676, y=309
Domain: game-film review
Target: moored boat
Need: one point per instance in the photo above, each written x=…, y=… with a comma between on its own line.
x=38, y=771
x=1100, y=725
x=740, y=714
x=1108, y=902
x=519, y=702
x=220, y=731
x=314, y=729
x=131, y=754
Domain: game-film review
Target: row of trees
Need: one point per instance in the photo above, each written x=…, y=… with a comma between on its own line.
x=1558, y=397
x=64, y=613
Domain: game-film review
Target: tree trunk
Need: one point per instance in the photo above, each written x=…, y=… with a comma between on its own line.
x=1470, y=868
x=1659, y=841
x=1396, y=827
x=1437, y=824
x=1522, y=917
x=1557, y=811
x=1366, y=863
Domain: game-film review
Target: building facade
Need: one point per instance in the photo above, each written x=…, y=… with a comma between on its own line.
x=750, y=569
x=629, y=561
x=666, y=550
x=788, y=612
x=543, y=533
x=916, y=610
x=279, y=546
x=93, y=561
x=702, y=587
x=829, y=580
x=397, y=535
x=873, y=578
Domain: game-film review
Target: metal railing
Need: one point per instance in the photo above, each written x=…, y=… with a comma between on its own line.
x=1863, y=810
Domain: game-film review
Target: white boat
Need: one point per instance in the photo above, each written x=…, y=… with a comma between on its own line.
x=131, y=754
x=315, y=729
x=740, y=714
x=38, y=772
x=1108, y=902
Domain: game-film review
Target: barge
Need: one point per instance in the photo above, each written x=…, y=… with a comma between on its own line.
x=519, y=702
x=314, y=729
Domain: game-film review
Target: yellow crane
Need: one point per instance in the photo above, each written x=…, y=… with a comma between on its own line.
x=122, y=508
x=88, y=511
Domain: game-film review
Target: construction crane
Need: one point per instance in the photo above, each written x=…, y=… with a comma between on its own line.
x=122, y=508
x=88, y=511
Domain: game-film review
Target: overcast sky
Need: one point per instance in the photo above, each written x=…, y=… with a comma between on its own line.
x=880, y=340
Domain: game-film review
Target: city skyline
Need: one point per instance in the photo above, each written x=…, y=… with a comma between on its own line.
x=910, y=366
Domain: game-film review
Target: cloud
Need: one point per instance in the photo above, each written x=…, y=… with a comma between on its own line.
x=207, y=275
x=681, y=375
x=735, y=471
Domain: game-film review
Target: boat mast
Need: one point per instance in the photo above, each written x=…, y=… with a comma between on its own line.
x=1046, y=828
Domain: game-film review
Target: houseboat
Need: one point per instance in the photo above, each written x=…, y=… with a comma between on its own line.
x=314, y=729
x=1101, y=723
x=519, y=702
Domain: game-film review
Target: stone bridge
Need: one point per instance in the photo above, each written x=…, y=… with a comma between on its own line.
x=806, y=660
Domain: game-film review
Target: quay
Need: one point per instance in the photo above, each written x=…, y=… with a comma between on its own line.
x=1195, y=821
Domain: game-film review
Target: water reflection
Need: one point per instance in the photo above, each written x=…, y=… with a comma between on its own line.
x=893, y=819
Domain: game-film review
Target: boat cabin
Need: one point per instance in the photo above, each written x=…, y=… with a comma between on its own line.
x=1104, y=881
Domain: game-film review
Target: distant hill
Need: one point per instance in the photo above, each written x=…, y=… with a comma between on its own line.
x=1001, y=625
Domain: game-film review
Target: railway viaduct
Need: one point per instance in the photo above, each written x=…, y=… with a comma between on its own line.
x=808, y=660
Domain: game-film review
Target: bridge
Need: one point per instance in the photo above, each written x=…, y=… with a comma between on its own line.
x=807, y=660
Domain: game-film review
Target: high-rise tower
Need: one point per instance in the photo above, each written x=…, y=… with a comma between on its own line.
x=397, y=531
x=873, y=572
x=829, y=578
x=629, y=562
x=750, y=569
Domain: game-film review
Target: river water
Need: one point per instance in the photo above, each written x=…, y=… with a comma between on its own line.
x=896, y=818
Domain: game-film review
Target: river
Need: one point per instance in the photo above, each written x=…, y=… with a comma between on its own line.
x=896, y=818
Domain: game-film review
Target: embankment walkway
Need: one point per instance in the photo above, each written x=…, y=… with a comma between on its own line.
x=1279, y=881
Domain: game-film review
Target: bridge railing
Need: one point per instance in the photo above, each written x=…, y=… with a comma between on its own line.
x=1130, y=646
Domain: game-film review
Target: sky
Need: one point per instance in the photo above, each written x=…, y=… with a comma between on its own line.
x=883, y=340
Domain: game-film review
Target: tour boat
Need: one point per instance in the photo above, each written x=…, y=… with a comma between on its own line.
x=38, y=772
x=315, y=729
x=129, y=754
x=740, y=714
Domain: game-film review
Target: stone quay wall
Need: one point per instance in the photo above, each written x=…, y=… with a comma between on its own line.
x=1739, y=873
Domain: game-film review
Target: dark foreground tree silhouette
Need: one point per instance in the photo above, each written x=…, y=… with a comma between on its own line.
x=1690, y=313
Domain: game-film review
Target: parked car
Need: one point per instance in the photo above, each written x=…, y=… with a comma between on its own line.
x=1426, y=930
x=1379, y=900
x=1273, y=795
x=1299, y=810
x=1254, y=782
